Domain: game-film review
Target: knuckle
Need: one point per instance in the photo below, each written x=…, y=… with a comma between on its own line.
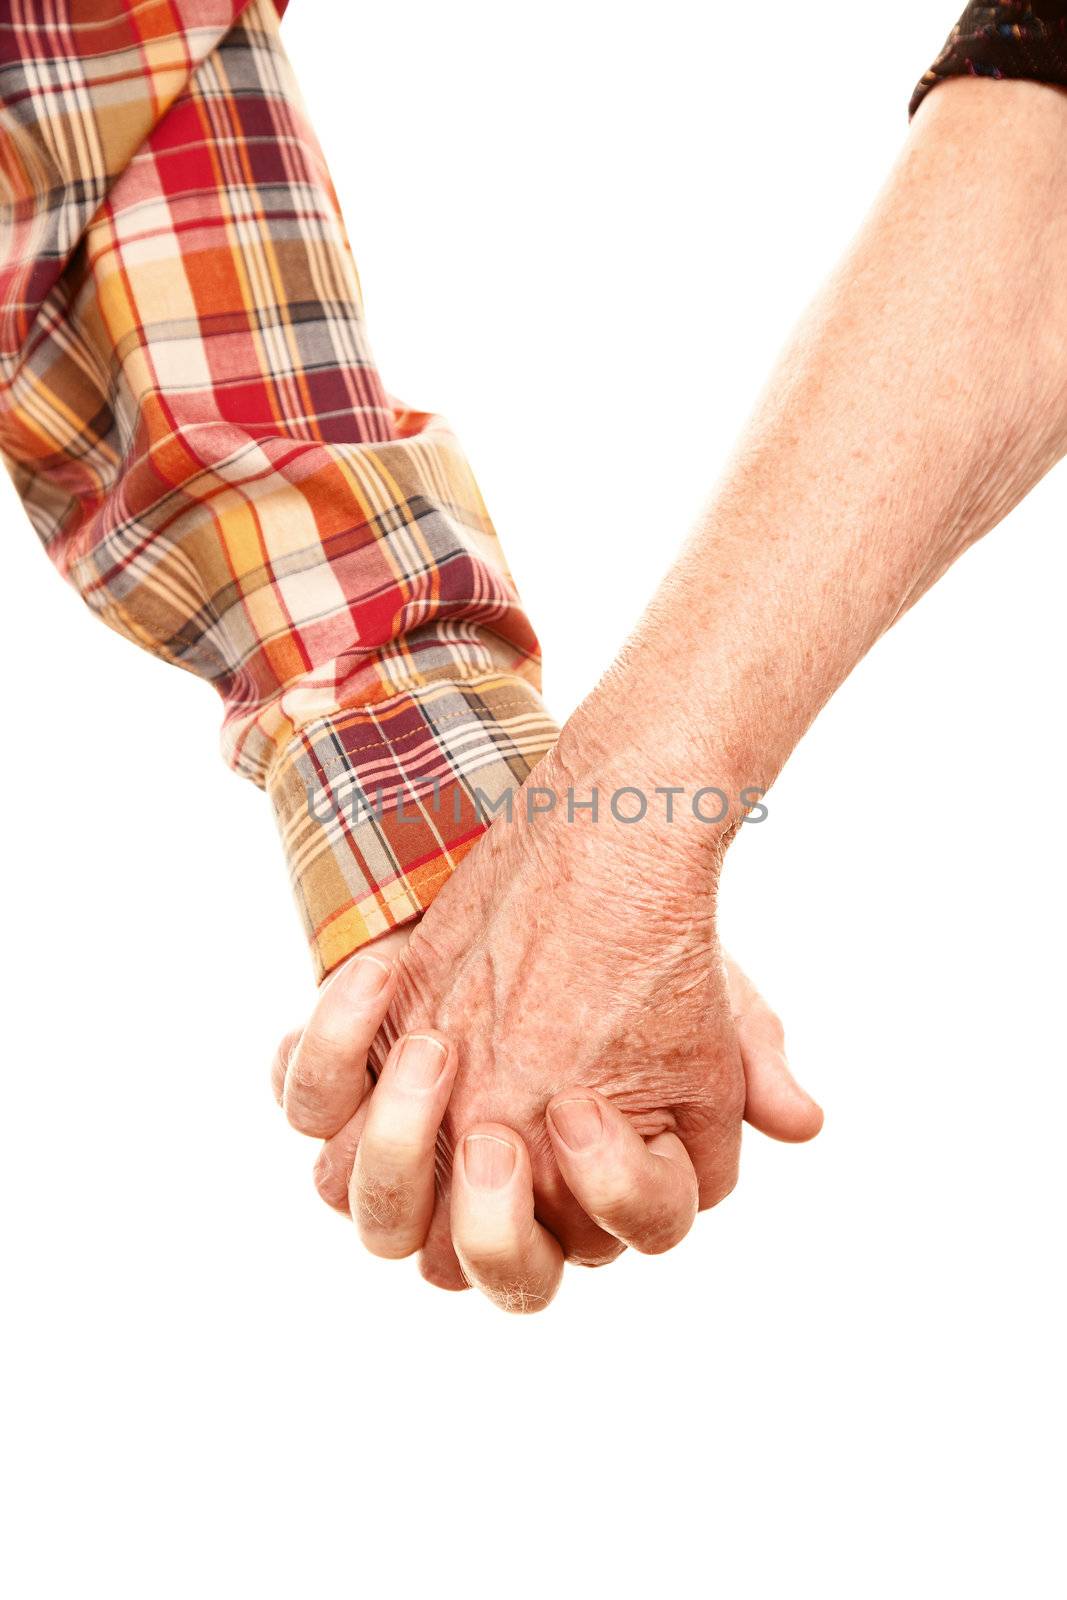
x=658, y=1224
x=319, y=1059
x=663, y=1233
x=652, y=1224
x=518, y=1296
x=616, y=1205
x=307, y=1103
x=314, y=1082
x=380, y=1204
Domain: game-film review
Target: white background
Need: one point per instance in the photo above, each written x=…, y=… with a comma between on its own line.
x=583, y=232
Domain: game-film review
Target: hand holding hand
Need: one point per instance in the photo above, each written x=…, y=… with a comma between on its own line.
x=604, y=1043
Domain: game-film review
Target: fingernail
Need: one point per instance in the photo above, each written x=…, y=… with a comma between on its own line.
x=487, y=1162
x=368, y=977
x=578, y=1123
x=421, y=1061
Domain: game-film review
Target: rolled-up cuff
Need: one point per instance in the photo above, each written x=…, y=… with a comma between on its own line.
x=377, y=805
x=1025, y=39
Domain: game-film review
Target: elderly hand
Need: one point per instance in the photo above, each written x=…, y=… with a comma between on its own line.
x=570, y=1027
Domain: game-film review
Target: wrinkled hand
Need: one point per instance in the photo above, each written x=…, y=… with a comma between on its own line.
x=598, y=1034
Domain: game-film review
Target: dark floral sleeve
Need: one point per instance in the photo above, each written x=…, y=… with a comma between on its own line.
x=1019, y=39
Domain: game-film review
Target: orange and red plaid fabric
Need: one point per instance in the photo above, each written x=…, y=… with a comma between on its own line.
x=191, y=414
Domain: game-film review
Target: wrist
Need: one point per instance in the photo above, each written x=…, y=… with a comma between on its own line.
x=655, y=765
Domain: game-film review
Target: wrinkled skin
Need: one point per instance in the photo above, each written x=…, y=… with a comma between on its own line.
x=578, y=954
x=569, y=970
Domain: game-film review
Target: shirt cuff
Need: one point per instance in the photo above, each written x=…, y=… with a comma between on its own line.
x=377, y=804
x=1025, y=39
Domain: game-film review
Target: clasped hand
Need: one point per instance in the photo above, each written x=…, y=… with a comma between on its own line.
x=552, y=1065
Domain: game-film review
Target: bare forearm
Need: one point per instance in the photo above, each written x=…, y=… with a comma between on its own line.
x=923, y=395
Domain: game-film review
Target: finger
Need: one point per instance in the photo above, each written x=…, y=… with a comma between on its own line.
x=438, y=1261
x=774, y=1101
x=642, y=1192
x=391, y=1195
x=326, y=1073
x=712, y=1136
x=580, y=1239
x=502, y=1248
x=279, y=1066
x=333, y=1168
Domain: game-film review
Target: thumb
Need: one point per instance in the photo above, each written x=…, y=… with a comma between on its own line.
x=774, y=1101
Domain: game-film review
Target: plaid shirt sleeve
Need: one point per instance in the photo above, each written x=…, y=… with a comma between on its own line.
x=1019, y=39
x=192, y=417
